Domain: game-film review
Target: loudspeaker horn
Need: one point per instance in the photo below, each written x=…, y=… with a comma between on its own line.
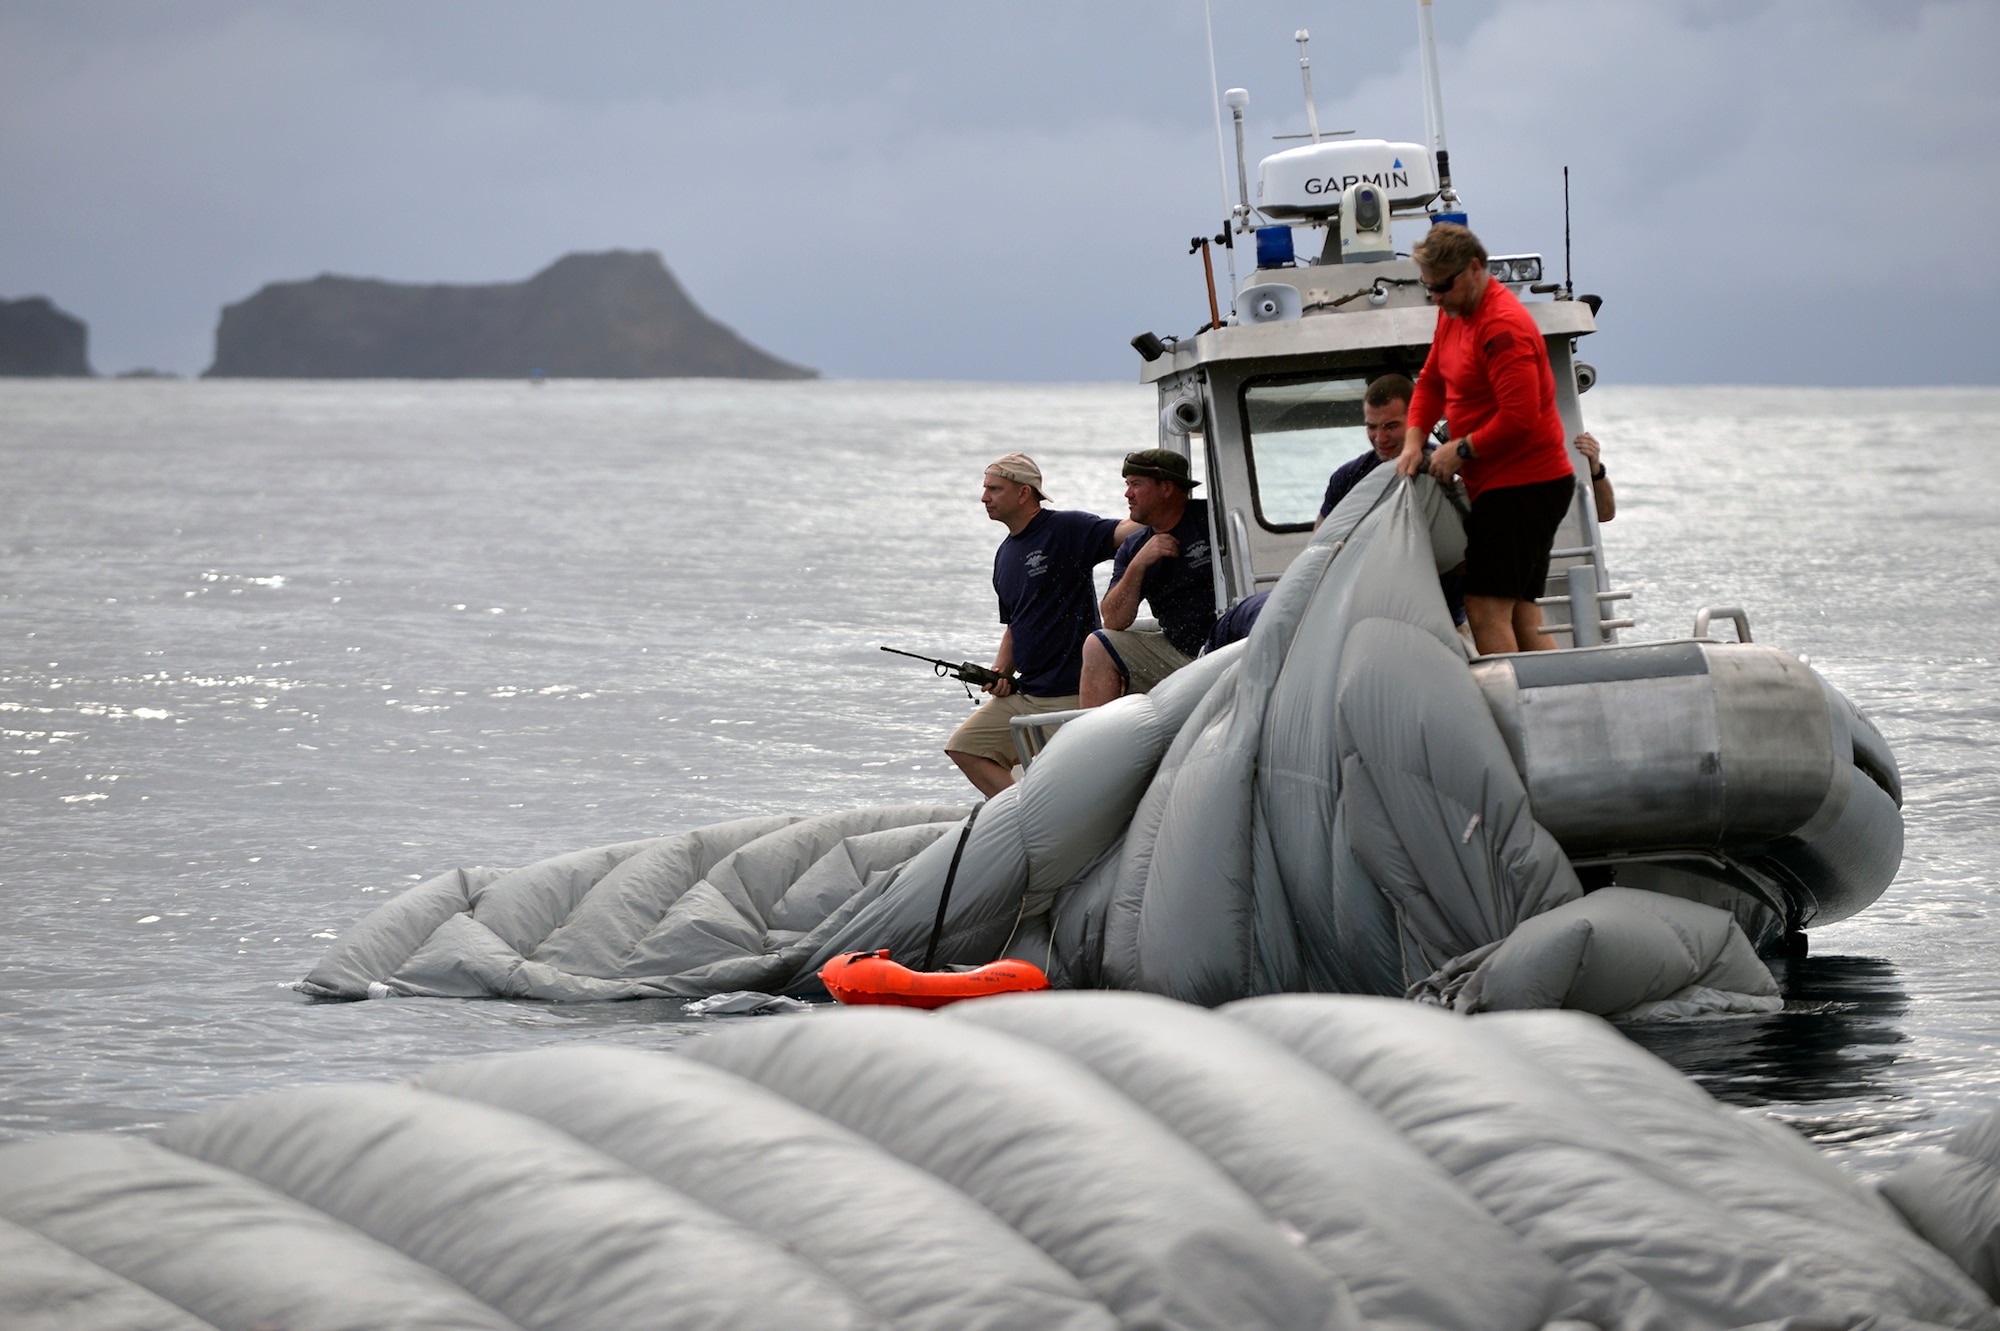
x=1269, y=303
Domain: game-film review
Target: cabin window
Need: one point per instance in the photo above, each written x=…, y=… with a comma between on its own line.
x=1299, y=430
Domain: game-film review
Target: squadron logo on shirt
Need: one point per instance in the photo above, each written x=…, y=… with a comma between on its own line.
x=1036, y=562
x=1197, y=553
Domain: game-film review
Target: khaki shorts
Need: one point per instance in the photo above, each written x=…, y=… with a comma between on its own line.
x=1144, y=656
x=987, y=733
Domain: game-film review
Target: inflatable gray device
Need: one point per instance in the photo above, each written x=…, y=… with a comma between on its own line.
x=1340, y=803
x=1041, y=1162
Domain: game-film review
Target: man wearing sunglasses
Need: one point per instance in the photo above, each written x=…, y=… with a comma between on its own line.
x=1488, y=374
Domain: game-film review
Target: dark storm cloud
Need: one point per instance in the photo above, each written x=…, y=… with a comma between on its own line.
x=1001, y=191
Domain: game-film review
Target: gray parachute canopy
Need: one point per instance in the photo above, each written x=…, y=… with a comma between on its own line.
x=1327, y=806
x=1043, y=1162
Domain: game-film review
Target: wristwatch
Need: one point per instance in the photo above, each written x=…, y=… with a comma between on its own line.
x=1465, y=450
x=1600, y=474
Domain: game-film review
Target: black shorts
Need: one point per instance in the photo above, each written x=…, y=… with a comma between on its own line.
x=1508, y=536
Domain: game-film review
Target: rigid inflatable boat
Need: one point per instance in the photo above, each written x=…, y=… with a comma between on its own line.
x=1726, y=772
x=1346, y=801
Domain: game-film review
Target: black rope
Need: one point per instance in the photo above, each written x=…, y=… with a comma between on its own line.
x=950, y=877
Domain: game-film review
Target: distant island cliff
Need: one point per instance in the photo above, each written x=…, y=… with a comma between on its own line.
x=616, y=315
x=37, y=339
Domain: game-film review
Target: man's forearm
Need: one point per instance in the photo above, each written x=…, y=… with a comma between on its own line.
x=1003, y=660
x=1414, y=439
x=1604, y=498
x=1427, y=400
x=1121, y=604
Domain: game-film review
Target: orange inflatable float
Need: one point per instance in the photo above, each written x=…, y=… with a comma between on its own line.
x=870, y=977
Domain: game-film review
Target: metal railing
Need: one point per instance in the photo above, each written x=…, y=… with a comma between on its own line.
x=1585, y=630
x=1708, y=612
x=1583, y=600
x=1031, y=733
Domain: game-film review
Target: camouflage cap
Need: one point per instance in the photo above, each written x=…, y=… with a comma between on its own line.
x=1162, y=464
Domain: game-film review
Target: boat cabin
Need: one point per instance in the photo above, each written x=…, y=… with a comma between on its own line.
x=1266, y=408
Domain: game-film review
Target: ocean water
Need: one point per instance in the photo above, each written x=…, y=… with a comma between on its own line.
x=270, y=652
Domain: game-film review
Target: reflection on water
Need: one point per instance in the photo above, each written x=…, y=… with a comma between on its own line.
x=1826, y=1064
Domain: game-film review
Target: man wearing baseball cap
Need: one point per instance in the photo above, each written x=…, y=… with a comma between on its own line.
x=1164, y=562
x=1048, y=602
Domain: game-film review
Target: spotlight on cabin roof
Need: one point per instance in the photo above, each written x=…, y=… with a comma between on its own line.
x=1516, y=269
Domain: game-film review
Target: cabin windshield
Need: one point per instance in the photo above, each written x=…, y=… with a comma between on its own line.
x=1299, y=429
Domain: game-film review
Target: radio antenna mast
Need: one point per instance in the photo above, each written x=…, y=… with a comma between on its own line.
x=1434, y=105
x=1306, y=73
x=1568, y=290
x=1221, y=154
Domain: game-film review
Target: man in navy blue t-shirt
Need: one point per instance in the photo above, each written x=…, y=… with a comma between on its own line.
x=1048, y=601
x=1385, y=410
x=1166, y=563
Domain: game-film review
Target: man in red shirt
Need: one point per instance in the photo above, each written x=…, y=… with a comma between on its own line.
x=1488, y=375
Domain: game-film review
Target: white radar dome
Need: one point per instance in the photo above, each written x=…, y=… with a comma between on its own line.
x=1307, y=181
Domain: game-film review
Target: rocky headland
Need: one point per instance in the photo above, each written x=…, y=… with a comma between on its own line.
x=37, y=339
x=615, y=315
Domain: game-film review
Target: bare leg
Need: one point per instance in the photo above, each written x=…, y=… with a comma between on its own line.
x=1528, y=628
x=990, y=777
x=1492, y=620
x=1102, y=680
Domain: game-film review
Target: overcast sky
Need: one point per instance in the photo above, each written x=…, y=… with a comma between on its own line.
x=1006, y=191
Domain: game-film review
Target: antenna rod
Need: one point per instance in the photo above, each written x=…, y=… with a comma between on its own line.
x=1221, y=156
x=1306, y=73
x=1567, y=288
x=1434, y=101
x=1238, y=99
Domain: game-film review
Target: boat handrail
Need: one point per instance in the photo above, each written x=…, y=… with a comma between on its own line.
x=1601, y=624
x=1239, y=536
x=1585, y=630
x=1031, y=733
x=1708, y=612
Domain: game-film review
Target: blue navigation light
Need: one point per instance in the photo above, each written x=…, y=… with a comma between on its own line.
x=1274, y=247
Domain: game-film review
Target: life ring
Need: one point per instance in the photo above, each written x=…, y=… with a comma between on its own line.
x=871, y=978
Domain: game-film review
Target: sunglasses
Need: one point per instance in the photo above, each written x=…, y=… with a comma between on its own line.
x=1439, y=288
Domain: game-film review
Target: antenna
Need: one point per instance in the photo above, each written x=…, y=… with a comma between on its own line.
x=1306, y=73
x=1221, y=157
x=1567, y=288
x=1434, y=104
x=1238, y=99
